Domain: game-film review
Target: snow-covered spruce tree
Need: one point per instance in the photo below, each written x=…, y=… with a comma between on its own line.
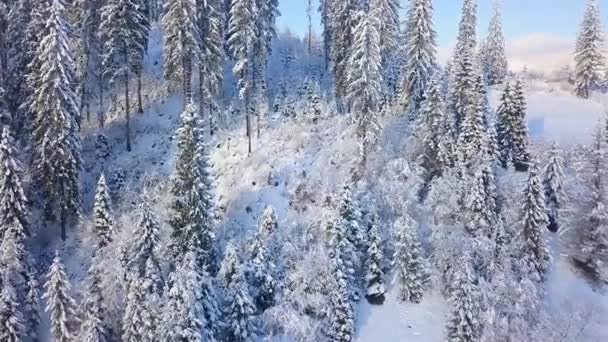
x=124, y=27
x=325, y=12
x=192, y=204
x=341, y=313
x=344, y=17
x=12, y=324
x=473, y=135
x=55, y=142
x=89, y=45
x=408, y=260
x=593, y=234
x=140, y=320
x=240, y=311
x=463, y=69
x=588, y=55
x=480, y=215
x=210, y=68
x=534, y=223
x=241, y=28
x=265, y=31
x=143, y=263
x=554, y=186
x=521, y=156
x=60, y=304
x=388, y=14
x=92, y=308
x=182, y=42
x=365, y=80
x=346, y=235
x=505, y=123
x=374, y=264
x=464, y=318
x=433, y=132
x=32, y=303
x=183, y=317
x=494, y=56
x=263, y=278
x=229, y=265
x=420, y=54
x=13, y=203
x=18, y=56
x=104, y=222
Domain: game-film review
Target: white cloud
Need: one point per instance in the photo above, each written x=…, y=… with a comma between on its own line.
x=539, y=51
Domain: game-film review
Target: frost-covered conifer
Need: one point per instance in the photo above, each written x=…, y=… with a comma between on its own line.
x=521, y=156
x=241, y=29
x=124, y=27
x=93, y=327
x=464, y=318
x=32, y=315
x=184, y=318
x=408, y=260
x=433, y=130
x=210, y=23
x=534, y=222
x=374, y=276
x=56, y=139
x=143, y=262
x=473, y=135
x=593, y=234
x=104, y=223
x=554, y=186
x=480, y=203
x=505, y=126
x=461, y=97
x=588, y=55
x=341, y=313
x=229, y=265
x=12, y=324
x=13, y=203
x=192, y=203
x=264, y=282
x=494, y=56
x=140, y=321
x=364, y=89
x=239, y=315
x=388, y=14
x=183, y=42
x=60, y=305
x=344, y=18
x=346, y=235
x=420, y=53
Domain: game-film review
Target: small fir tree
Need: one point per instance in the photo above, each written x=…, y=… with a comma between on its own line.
x=408, y=260
x=464, y=318
x=104, y=223
x=240, y=310
x=588, y=56
x=374, y=277
x=554, y=186
x=60, y=305
x=534, y=223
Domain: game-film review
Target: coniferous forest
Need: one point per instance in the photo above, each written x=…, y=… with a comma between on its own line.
x=190, y=171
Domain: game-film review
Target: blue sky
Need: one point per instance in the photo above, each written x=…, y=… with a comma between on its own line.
x=521, y=17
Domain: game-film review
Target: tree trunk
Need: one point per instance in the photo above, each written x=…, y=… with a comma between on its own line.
x=127, y=114
x=187, y=80
x=254, y=90
x=248, y=119
x=211, y=111
x=201, y=95
x=83, y=94
x=101, y=115
x=63, y=220
x=140, y=107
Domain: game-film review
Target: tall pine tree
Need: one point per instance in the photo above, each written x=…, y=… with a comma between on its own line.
x=60, y=304
x=554, y=186
x=588, y=55
x=420, y=54
x=124, y=27
x=494, y=56
x=56, y=139
x=104, y=222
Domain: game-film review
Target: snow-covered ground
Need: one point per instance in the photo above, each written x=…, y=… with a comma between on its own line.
x=294, y=162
